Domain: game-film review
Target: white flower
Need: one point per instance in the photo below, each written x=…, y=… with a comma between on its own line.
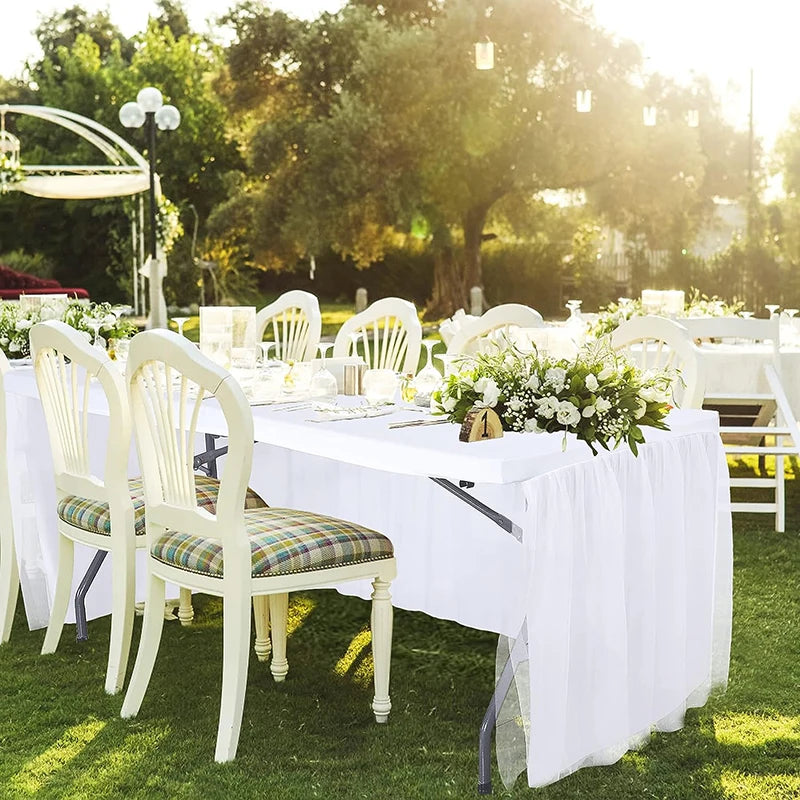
x=568, y=413
x=588, y=411
x=533, y=382
x=641, y=408
x=532, y=425
x=515, y=404
x=591, y=382
x=490, y=391
x=605, y=373
x=449, y=403
x=14, y=346
x=546, y=406
x=602, y=405
x=23, y=324
x=556, y=378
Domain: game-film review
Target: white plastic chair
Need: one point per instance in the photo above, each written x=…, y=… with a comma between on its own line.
x=390, y=333
x=496, y=321
x=754, y=423
x=232, y=553
x=9, y=569
x=657, y=342
x=65, y=365
x=296, y=324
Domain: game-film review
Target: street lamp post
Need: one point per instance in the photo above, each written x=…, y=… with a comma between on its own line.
x=149, y=111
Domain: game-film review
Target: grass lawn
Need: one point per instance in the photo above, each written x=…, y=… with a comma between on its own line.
x=313, y=736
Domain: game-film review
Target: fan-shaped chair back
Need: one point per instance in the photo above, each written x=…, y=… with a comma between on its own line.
x=390, y=334
x=296, y=324
x=495, y=322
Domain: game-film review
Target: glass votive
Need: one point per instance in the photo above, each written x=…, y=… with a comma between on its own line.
x=379, y=385
x=216, y=334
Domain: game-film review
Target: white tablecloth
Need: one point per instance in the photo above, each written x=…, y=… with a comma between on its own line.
x=623, y=571
x=740, y=368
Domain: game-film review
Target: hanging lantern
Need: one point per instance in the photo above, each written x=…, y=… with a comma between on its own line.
x=649, y=115
x=484, y=54
x=693, y=118
x=583, y=101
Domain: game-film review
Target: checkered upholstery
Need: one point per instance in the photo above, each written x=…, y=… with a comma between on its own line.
x=282, y=541
x=94, y=516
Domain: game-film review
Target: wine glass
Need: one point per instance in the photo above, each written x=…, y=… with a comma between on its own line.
x=354, y=337
x=428, y=378
x=772, y=308
x=95, y=324
x=180, y=322
x=574, y=307
x=746, y=314
x=323, y=382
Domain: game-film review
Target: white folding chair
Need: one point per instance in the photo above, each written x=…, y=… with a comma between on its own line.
x=390, y=333
x=497, y=321
x=753, y=422
x=232, y=552
x=296, y=324
x=656, y=343
x=9, y=569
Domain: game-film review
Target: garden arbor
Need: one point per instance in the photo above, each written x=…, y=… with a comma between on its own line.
x=124, y=173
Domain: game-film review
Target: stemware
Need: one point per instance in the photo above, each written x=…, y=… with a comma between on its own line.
x=790, y=312
x=772, y=308
x=379, y=386
x=746, y=314
x=323, y=382
x=574, y=307
x=447, y=359
x=428, y=378
x=95, y=325
x=354, y=337
x=180, y=322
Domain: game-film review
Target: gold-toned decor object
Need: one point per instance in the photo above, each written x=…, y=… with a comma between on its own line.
x=480, y=425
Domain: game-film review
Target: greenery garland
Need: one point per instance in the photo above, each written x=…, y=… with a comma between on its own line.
x=10, y=173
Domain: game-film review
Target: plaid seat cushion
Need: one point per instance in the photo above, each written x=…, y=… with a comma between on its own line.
x=282, y=541
x=94, y=516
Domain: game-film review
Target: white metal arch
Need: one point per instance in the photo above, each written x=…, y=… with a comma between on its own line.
x=125, y=172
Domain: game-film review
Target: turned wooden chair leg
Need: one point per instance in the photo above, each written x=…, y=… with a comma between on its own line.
x=185, y=609
x=261, y=616
x=279, y=613
x=382, y=615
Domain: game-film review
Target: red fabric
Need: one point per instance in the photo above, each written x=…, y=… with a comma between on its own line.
x=13, y=284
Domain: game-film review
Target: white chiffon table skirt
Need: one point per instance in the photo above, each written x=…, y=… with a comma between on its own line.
x=621, y=573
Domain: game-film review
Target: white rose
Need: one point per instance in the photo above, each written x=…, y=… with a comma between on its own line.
x=591, y=382
x=515, y=404
x=602, y=405
x=449, y=403
x=490, y=391
x=648, y=394
x=641, y=408
x=556, y=377
x=547, y=407
x=568, y=413
x=532, y=426
x=109, y=321
x=588, y=411
x=605, y=373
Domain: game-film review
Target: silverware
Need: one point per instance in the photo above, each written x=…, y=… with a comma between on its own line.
x=418, y=423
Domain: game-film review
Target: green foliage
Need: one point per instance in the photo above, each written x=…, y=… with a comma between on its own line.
x=30, y=263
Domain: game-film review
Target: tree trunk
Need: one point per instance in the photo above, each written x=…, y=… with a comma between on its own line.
x=449, y=288
x=474, y=220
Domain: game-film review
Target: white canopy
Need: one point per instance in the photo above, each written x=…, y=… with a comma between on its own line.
x=83, y=187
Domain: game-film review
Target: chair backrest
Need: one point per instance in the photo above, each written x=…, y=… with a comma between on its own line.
x=296, y=324
x=390, y=333
x=169, y=379
x=65, y=365
x=496, y=320
x=739, y=330
x=656, y=342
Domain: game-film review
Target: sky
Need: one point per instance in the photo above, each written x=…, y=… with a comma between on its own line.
x=719, y=38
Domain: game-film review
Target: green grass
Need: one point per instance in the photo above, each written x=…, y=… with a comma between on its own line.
x=313, y=736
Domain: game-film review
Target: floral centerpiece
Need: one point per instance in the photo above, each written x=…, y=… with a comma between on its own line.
x=599, y=396
x=16, y=322
x=698, y=305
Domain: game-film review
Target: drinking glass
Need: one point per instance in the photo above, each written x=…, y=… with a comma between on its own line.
x=379, y=385
x=772, y=308
x=180, y=322
x=746, y=314
x=323, y=382
x=574, y=307
x=354, y=337
x=447, y=360
x=95, y=324
x=428, y=378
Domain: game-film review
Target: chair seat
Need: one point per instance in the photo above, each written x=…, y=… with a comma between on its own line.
x=282, y=541
x=94, y=516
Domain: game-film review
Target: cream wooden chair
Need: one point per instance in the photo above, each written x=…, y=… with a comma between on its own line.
x=496, y=321
x=759, y=423
x=296, y=324
x=9, y=568
x=269, y=551
x=390, y=333
x=93, y=511
x=657, y=342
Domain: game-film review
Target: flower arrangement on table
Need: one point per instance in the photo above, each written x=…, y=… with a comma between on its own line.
x=16, y=322
x=698, y=305
x=599, y=396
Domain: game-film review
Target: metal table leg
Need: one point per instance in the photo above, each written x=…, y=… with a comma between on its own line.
x=81, y=628
x=507, y=675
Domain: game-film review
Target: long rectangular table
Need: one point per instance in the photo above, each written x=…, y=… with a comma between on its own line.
x=620, y=577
